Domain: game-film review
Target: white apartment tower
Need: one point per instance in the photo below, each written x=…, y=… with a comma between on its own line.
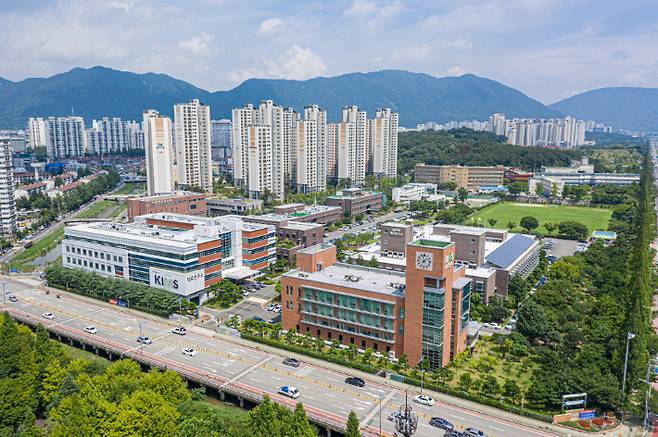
x=65, y=137
x=275, y=151
x=193, y=144
x=37, y=132
x=159, y=153
x=346, y=152
x=351, y=114
x=384, y=143
x=113, y=135
x=7, y=203
x=313, y=147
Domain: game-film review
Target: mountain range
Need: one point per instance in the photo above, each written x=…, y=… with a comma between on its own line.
x=99, y=91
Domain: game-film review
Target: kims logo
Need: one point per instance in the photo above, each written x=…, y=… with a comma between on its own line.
x=165, y=282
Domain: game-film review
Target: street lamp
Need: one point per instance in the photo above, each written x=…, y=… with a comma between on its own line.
x=629, y=337
x=141, y=340
x=406, y=421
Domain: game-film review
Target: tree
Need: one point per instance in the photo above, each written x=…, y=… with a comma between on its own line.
x=550, y=227
x=492, y=222
x=518, y=187
x=529, y=223
x=465, y=381
x=352, y=426
x=511, y=225
x=573, y=229
x=518, y=287
x=511, y=389
x=554, y=190
x=532, y=322
x=263, y=420
x=59, y=181
x=462, y=194
x=299, y=425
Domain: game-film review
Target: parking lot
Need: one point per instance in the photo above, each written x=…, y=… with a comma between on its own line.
x=252, y=306
x=560, y=247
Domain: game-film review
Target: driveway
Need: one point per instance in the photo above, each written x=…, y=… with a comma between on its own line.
x=251, y=306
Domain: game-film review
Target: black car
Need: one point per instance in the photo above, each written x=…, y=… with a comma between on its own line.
x=292, y=362
x=258, y=319
x=353, y=380
x=473, y=432
x=442, y=423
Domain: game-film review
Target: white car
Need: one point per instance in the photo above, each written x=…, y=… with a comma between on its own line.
x=91, y=329
x=189, y=352
x=49, y=316
x=271, y=307
x=179, y=330
x=424, y=400
x=291, y=392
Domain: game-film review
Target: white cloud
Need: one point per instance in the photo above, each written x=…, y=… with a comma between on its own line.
x=198, y=45
x=366, y=9
x=414, y=54
x=456, y=71
x=295, y=63
x=272, y=26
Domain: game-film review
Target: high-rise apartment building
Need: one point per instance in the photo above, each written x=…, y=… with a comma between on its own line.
x=273, y=151
x=361, y=154
x=113, y=135
x=384, y=143
x=221, y=143
x=65, y=137
x=37, y=132
x=193, y=144
x=345, y=150
x=318, y=117
x=159, y=153
x=7, y=202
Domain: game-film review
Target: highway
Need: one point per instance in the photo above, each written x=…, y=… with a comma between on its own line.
x=323, y=390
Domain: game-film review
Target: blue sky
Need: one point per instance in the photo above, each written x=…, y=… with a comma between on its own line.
x=549, y=49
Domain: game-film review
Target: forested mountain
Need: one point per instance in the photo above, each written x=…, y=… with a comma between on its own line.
x=467, y=147
x=623, y=107
x=99, y=91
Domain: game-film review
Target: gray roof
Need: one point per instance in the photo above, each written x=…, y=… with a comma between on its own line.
x=507, y=253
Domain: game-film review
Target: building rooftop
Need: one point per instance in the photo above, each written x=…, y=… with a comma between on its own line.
x=237, y=201
x=356, y=277
x=315, y=249
x=172, y=195
x=507, y=252
x=432, y=243
x=299, y=226
x=221, y=221
x=140, y=233
x=480, y=272
x=351, y=193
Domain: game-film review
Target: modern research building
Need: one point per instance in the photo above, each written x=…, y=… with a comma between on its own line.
x=179, y=253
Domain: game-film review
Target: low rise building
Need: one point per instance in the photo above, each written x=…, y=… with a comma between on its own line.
x=355, y=201
x=299, y=212
x=517, y=175
x=178, y=202
x=422, y=313
x=468, y=177
x=225, y=206
x=182, y=254
x=553, y=184
x=416, y=191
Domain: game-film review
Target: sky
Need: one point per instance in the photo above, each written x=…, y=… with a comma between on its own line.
x=549, y=49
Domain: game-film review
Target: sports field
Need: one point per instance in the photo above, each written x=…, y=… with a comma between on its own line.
x=504, y=212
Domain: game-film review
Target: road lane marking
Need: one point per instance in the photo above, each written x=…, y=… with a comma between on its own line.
x=375, y=410
x=247, y=371
x=75, y=318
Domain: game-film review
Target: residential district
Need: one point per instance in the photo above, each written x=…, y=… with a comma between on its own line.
x=279, y=256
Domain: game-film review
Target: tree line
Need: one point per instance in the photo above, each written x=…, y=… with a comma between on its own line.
x=468, y=147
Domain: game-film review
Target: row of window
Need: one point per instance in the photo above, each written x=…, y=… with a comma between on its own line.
x=93, y=253
x=108, y=268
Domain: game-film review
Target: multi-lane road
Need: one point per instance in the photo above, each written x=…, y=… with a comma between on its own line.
x=323, y=389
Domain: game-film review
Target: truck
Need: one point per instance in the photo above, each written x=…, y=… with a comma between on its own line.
x=291, y=392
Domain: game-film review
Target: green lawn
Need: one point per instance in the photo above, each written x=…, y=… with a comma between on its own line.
x=96, y=209
x=503, y=212
x=131, y=188
x=21, y=261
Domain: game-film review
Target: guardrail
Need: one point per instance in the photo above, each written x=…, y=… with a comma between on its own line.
x=221, y=384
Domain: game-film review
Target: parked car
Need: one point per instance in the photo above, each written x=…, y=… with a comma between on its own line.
x=353, y=380
x=49, y=316
x=291, y=392
x=91, y=329
x=292, y=362
x=144, y=339
x=179, y=330
x=189, y=352
x=442, y=423
x=258, y=319
x=473, y=432
x=275, y=319
x=424, y=400
x=270, y=307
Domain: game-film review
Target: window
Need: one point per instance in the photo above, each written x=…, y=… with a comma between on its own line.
x=430, y=282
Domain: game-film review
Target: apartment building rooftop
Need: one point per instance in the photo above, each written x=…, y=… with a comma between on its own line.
x=352, y=276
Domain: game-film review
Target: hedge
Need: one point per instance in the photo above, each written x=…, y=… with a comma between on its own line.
x=302, y=351
x=480, y=399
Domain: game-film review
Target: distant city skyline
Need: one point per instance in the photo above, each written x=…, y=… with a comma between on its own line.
x=546, y=49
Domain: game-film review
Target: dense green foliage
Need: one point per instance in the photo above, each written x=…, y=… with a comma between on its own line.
x=224, y=294
x=467, y=147
x=578, y=321
x=139, y=296
x=270, y=419
x=78, y=397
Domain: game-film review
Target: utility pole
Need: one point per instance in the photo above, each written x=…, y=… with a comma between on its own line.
x=141, y=342
x=380, y=414
x=629, y=337
x=4, y=294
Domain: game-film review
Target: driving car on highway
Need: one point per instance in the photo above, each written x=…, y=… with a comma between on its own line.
x=91, y=329
x=353, y=380
x=291, y=392
x=473, y=432
x=12, y=298
x=424, y=400
x=144, y=339
x=179, y=330
x=442, y=423
x=49, y=316
x=293, y=362
x=189, y=352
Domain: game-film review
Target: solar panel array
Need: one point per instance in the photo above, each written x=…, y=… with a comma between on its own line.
x=508, y=252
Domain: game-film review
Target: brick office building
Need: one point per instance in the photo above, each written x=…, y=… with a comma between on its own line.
x=181, y=202
x=355, y=201
x=423, y=313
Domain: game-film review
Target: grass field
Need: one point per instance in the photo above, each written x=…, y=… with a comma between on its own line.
x=21, y=261
x=503, y=212
x=131, y=188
